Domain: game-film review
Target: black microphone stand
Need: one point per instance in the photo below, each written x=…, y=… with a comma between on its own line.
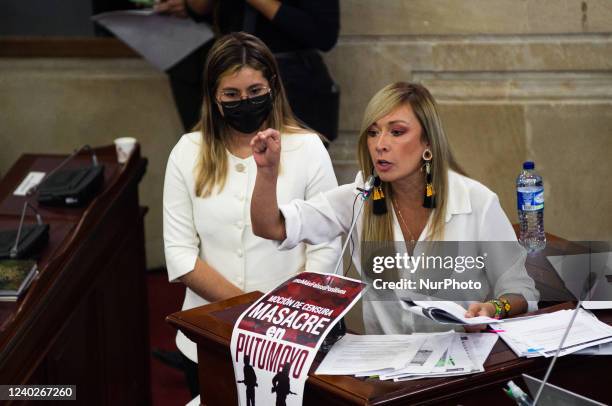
x=339, y=329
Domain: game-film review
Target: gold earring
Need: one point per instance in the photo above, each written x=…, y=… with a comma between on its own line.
x=429, y=200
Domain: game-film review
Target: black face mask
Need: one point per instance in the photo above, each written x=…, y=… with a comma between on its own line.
x=247, y=115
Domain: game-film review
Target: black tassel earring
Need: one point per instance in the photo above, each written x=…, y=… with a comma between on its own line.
x=429, y=201
x=379, y=204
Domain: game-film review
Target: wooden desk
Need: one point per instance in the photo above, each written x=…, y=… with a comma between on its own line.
x=84, y=319
x=211, y=326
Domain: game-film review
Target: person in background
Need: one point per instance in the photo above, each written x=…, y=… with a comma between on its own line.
x=294, y=30
x=210, y=175
x=420, y=194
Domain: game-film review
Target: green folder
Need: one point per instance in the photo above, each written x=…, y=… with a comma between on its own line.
x=15, y=277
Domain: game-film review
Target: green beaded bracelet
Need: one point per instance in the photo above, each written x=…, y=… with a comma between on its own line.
x=498, y=308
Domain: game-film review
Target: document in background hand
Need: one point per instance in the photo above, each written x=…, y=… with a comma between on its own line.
x=541, y=335
x=162, y=40
x=445, y=312
x=415, y=356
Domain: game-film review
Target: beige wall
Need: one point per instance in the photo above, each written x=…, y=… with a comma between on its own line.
x=516, y=80
x=57, y=105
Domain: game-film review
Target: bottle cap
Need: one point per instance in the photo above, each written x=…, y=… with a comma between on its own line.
x=528, y=165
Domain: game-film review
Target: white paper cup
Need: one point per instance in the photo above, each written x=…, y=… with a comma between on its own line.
x=124, y=147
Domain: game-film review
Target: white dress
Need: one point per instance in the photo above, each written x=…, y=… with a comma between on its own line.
x=473, y=214
x=218, y=230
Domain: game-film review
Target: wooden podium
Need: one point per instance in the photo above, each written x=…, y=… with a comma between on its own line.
x=83, y=321
x=211, y=327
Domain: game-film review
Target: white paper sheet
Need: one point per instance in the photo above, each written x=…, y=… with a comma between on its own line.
x=482, y=345
x=426, y=358
x=359, y=353
x=31, y=180
x=541, y=335
x=468, y=353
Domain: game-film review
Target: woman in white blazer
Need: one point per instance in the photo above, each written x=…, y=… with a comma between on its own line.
x=210, y=175
x=420, y=194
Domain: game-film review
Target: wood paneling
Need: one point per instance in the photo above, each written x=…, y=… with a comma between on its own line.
x=83, y=322
x=60, y=47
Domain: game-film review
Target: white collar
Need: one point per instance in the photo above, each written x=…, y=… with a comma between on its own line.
x=458, y=196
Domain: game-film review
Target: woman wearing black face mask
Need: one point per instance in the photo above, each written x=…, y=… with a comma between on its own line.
x=246, y=115
x=209, y=244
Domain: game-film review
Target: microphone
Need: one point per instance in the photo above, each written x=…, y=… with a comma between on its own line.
x=15, y=249
x=71, y=187
x=589, y=283
x=366, y=191
x=369, y=184
x=15, y=244
x=339, y=329
x=76, y=152
x=58, y=187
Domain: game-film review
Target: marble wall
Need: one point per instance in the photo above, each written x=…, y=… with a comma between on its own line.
x=515, y=80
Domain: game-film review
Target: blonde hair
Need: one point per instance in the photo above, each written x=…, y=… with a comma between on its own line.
x=231, y=53
x=388, y=99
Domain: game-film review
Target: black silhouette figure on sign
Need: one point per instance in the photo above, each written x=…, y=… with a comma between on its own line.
x=282, y=385
x=250, y=381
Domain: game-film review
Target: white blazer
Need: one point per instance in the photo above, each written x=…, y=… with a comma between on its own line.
x=473, y=214
x=217, y=228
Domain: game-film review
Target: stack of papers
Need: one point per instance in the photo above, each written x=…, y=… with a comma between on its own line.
x=541, y=335
x=407, y=357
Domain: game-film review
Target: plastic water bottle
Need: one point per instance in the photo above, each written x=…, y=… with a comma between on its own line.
x=530, y=200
